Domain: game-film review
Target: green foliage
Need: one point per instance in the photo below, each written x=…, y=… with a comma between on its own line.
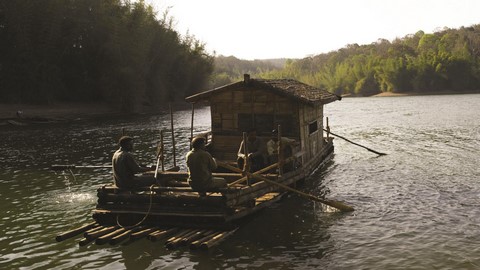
x=447, y=60
x=89, y=50
x=231, y=69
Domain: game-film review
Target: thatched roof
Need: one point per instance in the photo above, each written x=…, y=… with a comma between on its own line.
x=292, y=89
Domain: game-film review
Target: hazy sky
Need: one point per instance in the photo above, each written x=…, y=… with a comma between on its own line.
x=261, y=29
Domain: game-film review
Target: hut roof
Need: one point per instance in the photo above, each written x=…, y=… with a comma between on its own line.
x=286, y=87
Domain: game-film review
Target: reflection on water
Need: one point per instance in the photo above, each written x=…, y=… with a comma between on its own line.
x=416, y=208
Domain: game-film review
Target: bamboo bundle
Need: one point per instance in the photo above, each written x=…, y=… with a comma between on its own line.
x=142, y=233
x=106, y=230
x=160, y=234
x=195, y=237
x=92, y=230
x=177, y=236
x=196, y=244
x=107, y=237
x=163, y=210
x=182, y=240
x=123, y=236
x=216, y=240
x=75, y=232
x=174, y=199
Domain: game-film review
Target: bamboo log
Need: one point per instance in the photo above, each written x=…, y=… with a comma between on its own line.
x=180, y=240
x=183, y=188
x=101, y=232
x=142, y=233
x=198, y=235
x=196, y=244
x=145, y=199
x=107, y=237
x=85, y=241
x=161, y=234
x=216, y=240
x=75, y=232
x=92, y=230
x=160, y=209
x=123, y=236
x=177, y=236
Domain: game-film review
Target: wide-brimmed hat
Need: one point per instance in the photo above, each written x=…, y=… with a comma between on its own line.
x=124, y=139
x=197, y=141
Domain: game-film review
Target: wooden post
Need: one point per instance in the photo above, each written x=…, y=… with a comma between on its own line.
x=191, y=126
x=162, y=154
x=173, y=136
x=246, y=160
x=328, y=129
x=279, y=151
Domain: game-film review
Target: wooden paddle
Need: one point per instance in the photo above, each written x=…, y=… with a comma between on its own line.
x=371, y=150
x=335, y=204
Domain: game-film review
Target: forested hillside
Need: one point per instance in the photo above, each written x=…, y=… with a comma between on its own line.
x=90, y=50
x=231, y=69
x=120, y=52
x=447, y=60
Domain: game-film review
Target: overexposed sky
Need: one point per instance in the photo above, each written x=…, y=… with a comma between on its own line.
x=263, y=29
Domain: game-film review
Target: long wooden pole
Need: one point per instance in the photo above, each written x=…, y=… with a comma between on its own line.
x=58, y=167
x=159, y=154
x=335, y=204
x=163, y=152
x=173, y=137
x=371, y=150
x=191, y=125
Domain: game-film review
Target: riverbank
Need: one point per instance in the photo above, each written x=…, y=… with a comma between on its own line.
x=392, y=94
x=66, y=111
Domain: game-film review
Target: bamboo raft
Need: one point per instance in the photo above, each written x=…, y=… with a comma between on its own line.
x=172, y=212
x=194, y=239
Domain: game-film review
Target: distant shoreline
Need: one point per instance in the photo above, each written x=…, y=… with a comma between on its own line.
x=404, y=94
x=73, y=111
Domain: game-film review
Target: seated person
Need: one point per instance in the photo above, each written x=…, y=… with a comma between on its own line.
x=272, y=149
x=256, y=152
x=125, y=167
x=200, y=165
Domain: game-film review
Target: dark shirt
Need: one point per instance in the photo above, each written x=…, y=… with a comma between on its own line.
x=200, y=166
x=257, y=148
x=124, y=168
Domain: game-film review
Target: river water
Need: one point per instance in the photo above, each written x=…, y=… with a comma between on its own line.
x=418, y=207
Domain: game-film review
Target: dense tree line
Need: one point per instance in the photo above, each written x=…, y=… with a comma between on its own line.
x=89, y=50
x=447, y=60
x=230, y=69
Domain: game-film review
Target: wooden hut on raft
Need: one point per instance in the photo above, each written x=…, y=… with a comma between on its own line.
x=264, y=105
x=296, y=109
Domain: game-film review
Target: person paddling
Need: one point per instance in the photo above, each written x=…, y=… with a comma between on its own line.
x=200, y=166
x=125, y=167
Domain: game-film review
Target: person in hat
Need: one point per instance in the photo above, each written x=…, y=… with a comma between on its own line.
x=200, y=165
x=257, y=153
x=272, y=148
x=125, y=167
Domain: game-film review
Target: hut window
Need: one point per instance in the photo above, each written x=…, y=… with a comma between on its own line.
x=312, y=127
x=262, y=122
